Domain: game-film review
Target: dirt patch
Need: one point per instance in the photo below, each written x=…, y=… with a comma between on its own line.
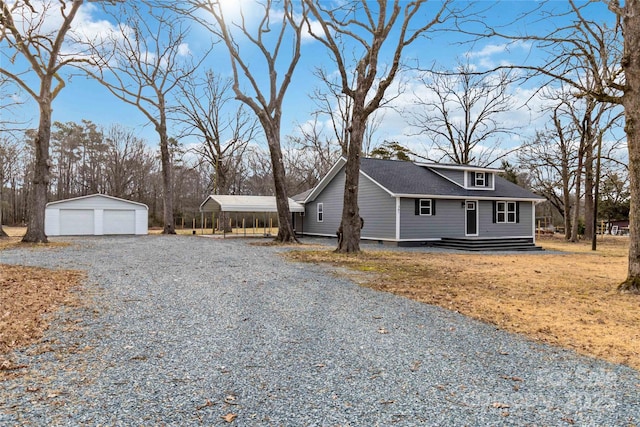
x=566, y=299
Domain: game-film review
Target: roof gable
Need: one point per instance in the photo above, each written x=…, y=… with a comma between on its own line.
x=96, y=196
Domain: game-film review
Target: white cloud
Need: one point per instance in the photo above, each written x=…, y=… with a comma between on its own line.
x=183, y=49
x=493, y=55
x=316, y=28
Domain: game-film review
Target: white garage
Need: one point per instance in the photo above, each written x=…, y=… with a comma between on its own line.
x=95, y=215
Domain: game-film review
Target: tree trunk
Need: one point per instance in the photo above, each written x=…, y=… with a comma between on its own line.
x=285, y=229
x=38, y=195
x=2, y=232
x=169, y=226
x=566, y=196
x=350, y=226
x=588, y=189
x=576, y=209
x=631, y=102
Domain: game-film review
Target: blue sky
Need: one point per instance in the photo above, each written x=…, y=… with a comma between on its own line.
x=83, y=98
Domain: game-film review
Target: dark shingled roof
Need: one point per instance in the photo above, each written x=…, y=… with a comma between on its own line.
x=408, y=178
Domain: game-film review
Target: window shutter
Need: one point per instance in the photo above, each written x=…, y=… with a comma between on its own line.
x=517, y=212
x=417, y=207
x=495, y=211
x=486, y=179
x=433, y=206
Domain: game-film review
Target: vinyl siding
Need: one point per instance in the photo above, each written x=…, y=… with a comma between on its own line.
x=378, y=209
x=376, y=206
x=487, y=228
x=447, y=222
x=331, y=199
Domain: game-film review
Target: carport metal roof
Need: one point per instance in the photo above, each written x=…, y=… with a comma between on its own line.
x=226, y=203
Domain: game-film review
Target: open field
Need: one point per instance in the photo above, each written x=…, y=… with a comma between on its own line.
x=566, y=299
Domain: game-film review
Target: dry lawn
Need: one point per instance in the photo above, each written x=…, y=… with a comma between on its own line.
x=566, y=299
x=27, y=296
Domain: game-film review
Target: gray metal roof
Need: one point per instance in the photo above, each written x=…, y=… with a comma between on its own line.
x=408, y=178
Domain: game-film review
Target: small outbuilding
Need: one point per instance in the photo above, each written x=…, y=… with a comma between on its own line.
x=96, y=214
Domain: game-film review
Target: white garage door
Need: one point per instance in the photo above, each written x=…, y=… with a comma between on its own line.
x=75, y=222
x=119, y=222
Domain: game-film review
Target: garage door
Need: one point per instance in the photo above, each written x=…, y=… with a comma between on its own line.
x=119, y=222
x=75, y=222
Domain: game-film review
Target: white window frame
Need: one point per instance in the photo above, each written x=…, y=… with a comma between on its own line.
x=478, y=180
x=428, y=207
x=508, y=212
x=320, y=212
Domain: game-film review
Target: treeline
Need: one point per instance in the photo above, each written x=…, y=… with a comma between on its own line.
x=87, y=159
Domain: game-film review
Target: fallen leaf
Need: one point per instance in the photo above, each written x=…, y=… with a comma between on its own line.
x=513, y=378
x=229, y=417
x=383, y=331
x=207, y=403
x=500, y=405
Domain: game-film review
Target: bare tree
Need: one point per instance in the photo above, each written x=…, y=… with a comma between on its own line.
x=266, y=41
x=204, y=108
x=368, y=25
x=610, y=60
x=461, y=115
x=42, y=51
x=551, y=159
x=338, y=108
x=309, y=155
x=9, y=152
x=141, y=65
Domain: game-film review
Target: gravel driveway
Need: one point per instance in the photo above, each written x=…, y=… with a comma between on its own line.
x=184, y=331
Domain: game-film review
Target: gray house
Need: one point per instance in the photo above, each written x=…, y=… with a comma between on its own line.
x=410, y=203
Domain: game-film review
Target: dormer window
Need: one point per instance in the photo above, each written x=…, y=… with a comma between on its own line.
x=479, y=179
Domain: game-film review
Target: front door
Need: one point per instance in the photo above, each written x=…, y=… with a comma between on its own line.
x=471, y=214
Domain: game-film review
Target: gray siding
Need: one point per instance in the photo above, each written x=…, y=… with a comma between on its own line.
x=456, y=176
x=331, y=198
x=377, y=208
x=487, y=228
x=447, y=222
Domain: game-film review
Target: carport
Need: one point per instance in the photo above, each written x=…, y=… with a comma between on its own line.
x=246, y=206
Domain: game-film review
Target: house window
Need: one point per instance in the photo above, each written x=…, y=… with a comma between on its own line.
x=320, y=212
x=479, y=179
x=425, y=207
x=506, y=212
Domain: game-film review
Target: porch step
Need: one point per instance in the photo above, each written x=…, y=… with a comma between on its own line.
x=475, y=244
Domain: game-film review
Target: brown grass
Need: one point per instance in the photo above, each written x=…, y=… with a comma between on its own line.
x=566, y=299
x=27, y=296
